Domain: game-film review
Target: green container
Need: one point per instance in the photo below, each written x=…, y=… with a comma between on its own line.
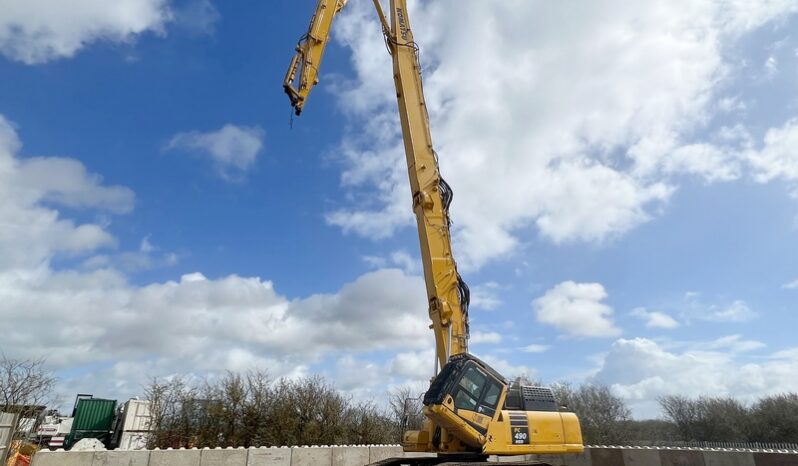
x=94, y=418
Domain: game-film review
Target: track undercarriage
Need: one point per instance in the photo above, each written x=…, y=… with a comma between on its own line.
x=451, y=460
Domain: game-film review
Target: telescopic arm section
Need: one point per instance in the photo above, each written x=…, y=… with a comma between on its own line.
x=303, y=73
x=447, y=293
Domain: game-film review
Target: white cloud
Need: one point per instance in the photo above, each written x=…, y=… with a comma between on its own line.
x=510, y=370
x=146, y=258
x=197, y=16
x=577, y=310
x=737, y=311
x=491, y=338
x=778, y=159
x=414, y=365
x=232, y=149
x=732, y=344
x=485, y=296
x=401, y=259
x=586, y=138
x=101, y=316
x=655, y=319
x=771, y=67
x=33, y=233
x=37, y=31
x=642, y=370
x=406, y=262
x=352, y=374
x=793, y=285
x=535, y=348
x=65, y=182
x=732, y=104
x=196, y=324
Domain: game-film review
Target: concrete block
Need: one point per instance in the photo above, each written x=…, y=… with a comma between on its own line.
x=775, y=459
x=350, y=456
x=379, y=453
x=121, y=458
x=582, y=459
x=553, y=460
x=606, y=457
x=175, y=458
x=641, y=458
x=223, y=457
x=512, y=459
x=311, y=456
x=681, y=458
x=63, y=458
x=729, y=458
x=416, y=454
x=269, y=457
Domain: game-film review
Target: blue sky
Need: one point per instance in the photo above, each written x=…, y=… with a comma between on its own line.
x=625, y=182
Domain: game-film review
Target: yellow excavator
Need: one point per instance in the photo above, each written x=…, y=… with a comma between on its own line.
x=470, y=410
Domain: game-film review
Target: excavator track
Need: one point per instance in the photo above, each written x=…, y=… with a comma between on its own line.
x=449, y=461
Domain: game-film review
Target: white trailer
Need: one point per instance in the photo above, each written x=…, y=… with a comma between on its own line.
x=132, y=429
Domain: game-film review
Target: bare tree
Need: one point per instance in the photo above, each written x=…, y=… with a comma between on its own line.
x=24, y=384
x=604, y=417
x=708, y=419
x=775, y=419
x=173, y=412
x=368, y=424
x=250, y=410
x=405, y=403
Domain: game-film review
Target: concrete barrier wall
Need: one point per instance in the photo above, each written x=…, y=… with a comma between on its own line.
x=362, y=455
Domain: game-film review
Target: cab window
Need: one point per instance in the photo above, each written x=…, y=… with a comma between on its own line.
x=470, y=389
x=464, y=401
x=492, y=395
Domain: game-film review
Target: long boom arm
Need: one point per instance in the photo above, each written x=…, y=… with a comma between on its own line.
x=303, y=73
x=471, y=410
x=447, y=293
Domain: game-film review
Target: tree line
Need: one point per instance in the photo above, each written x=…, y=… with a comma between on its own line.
x=772, y=419
x=252, y=409
x=606, y=419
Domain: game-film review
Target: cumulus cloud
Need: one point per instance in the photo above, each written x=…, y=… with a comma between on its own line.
x=509, y=369
x=413, y=365
x=581, y=137
x=233, y=150
x=535, y=348
x=655, y=319
x=197, y=16
x=778, y=158
x=146, y=258
x=492, y=338
x=197, y=315
x=197, y=324
x=642, y=370
x=37, y=31
x=33, y=233
x=577, y=310
x=736, y=311
x=486, y=296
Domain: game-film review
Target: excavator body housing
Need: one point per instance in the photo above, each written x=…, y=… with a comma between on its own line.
x=474, y=409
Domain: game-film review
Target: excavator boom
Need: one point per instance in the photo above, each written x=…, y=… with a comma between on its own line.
x=470, y=409
x=303, y=73
x=447, y=293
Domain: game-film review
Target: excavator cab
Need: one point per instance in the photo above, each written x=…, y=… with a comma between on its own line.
x=473, y=409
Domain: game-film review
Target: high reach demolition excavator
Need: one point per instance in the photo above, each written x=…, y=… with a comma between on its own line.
x=470, y=410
